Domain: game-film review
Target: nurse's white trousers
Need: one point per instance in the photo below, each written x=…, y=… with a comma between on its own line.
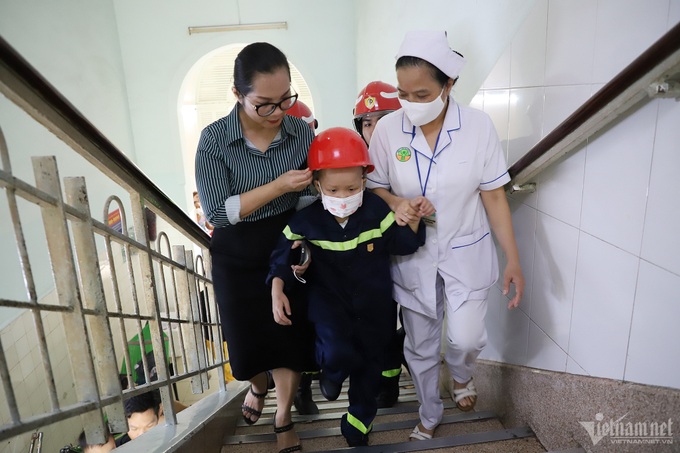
x=466, y=337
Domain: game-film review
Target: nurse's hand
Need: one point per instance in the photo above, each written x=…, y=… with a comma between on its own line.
x=422, y=206
x=513, y=274
x=294, y=180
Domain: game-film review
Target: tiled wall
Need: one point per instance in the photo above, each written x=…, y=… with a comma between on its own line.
x=598, y=239
x=28, y=379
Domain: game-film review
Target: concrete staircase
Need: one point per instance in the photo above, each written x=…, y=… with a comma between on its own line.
x=459, y=432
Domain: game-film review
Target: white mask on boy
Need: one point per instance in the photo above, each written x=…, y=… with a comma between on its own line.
x=342, y=207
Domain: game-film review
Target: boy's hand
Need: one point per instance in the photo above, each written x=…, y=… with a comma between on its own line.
x=280, y=303
x=404, y=213
x=299, y=270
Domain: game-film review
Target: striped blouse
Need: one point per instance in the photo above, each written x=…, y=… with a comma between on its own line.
x=227, y=166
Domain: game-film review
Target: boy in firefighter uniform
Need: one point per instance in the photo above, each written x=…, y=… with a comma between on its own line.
x=351, y=234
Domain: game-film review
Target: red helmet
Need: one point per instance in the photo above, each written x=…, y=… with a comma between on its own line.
x=300, y=110
x=338, y=147
x=375, y=97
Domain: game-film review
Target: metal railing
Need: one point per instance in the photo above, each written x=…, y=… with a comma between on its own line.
x=150, y=282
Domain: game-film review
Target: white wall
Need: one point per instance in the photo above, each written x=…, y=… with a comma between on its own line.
x=74, y=45
x=158, y=53
x=478, y=30
x=598, y=240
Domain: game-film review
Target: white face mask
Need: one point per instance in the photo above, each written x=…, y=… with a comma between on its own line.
x=423, y=112
x=342, y=207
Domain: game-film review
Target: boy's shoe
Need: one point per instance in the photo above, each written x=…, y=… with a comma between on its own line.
x=389, y=392
x=329, y=389
x=303, y=401
x=353, y=436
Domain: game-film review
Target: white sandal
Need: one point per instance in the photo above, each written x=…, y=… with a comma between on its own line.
x=417, y=434
x=468, y=392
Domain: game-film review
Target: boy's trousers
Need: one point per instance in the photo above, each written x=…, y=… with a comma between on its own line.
x=340, y=355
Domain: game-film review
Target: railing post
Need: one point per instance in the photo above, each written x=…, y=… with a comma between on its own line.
x=149, y=287
x=187, y=312
x=64, y=270
x=198, y=322
x=93, y=297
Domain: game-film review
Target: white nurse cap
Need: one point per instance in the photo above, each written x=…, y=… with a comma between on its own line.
x=433, y=47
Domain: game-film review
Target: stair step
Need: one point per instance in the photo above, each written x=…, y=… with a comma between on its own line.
x=459, y=432
x=398, y=409
x=444, y=442
x=326, y=432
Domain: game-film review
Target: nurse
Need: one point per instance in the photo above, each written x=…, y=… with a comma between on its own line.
x=438, y=159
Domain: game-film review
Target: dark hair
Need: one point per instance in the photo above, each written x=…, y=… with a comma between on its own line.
x=437, y=74
x=257, y=58
x=143, y=402
x=83, y=444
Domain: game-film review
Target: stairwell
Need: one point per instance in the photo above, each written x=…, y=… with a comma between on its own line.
x=459, y=432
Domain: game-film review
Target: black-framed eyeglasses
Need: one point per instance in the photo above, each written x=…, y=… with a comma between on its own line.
x=270, y=107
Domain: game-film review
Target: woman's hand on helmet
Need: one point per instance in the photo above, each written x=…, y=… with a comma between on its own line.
x=294, y=180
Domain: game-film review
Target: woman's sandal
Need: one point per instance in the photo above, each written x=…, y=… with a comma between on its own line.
x=251, y=411
x=468, y=392
x=283, y=429
x=417, y=434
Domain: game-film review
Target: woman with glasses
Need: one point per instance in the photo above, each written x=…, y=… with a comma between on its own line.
x=251, y=175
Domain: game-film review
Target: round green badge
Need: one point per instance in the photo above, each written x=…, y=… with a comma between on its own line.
x=403, y=154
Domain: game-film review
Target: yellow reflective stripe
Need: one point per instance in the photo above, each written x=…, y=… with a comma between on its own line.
x=354, y=243
x=352, y=420
x=392, y=373
x=290, y=235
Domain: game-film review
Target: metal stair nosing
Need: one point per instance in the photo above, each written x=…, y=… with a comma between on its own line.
x=328, y=432
x=442, y=442
x=400, y=409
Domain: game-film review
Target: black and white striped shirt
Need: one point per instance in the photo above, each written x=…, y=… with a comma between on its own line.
x=226, y=167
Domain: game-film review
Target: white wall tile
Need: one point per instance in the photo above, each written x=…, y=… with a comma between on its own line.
x=603, y=305
x=527, y=64
x=570, y=42
x=524, y=225
x=561, y=102
x=499, y=77
x=674, y=14
x=477, y=102
x=624, y=30
x=560, y=188
x=653, y=352
x=543, y=352
x=496, y=105
x=23, y=348
x=11, y=355
x=525, y=122
x=554, y=274
x=575, y=368
x=512, y=334
x=495, y=303
x=660, y=241
x=616, y=179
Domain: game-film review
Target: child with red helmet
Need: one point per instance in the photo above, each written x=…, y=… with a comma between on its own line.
x=302, y=111
x=374, y=101
x=351, y=234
